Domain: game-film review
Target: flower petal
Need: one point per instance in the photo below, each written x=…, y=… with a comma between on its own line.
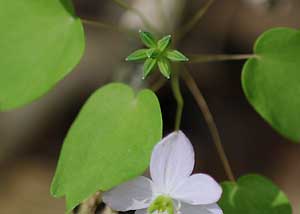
x=172, y=161
x=201, y=209
x=132, y=195
x=214, y=208
x=198, y=189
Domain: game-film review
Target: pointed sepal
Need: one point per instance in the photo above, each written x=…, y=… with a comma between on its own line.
x=149, y=66
x=176, y=56
x=140, y=54
x=148, y=39
x=164, y=67
x=164, y=43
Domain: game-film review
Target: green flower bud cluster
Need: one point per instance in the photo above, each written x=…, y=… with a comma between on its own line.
x=158, y=54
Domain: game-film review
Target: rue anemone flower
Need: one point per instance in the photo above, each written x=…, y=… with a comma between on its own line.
x=173, y=189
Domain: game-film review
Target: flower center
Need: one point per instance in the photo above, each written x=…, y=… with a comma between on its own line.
x=161, y=205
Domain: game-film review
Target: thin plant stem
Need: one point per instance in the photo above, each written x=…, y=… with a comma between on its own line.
x=202, y=58
x=202, y=104
x=186, y=28
x=145, y=21
x=158, y=84
x=107, y=26
x=175, y=83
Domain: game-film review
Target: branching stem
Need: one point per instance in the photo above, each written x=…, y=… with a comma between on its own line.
x=202, y=58
x=186, y=28
x=158, y=84
x=201, y=102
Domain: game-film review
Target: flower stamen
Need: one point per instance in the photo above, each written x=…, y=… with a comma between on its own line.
x=162, y=205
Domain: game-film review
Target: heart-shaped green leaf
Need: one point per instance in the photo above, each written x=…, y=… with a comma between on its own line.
x=110, y=142
x=253, y=194
x=40, y=42
x=271, y=81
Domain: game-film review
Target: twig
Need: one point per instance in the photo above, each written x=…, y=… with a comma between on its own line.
x=194, y=89
x=185, y=29
x=202, y=58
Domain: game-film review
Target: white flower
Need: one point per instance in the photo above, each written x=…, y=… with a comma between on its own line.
x=172, y=189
